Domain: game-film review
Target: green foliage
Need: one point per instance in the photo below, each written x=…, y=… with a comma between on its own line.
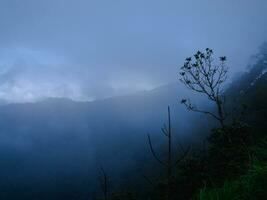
x=233, y=166
x=229, y=153
x=192, y=174
x=237, y=153
x=260, y=150
x=252, y=186
x=255, y=183
x=228, y=191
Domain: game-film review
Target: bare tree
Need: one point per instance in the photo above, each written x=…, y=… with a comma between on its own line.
x=170, y=163
x=104, y=183
x=201, y=75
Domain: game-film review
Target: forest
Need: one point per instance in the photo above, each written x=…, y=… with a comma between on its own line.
x=230, y=160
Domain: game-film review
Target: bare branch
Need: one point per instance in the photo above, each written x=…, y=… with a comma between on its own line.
x=153, y=152
x=104, y=182
x=182, y=157
x=165, y=130
x=149, y=181
x=190, y=107
x=202, y=76
x=205, y=112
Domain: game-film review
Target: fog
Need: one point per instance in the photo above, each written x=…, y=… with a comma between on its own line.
x=82, y=82
x=87, y=50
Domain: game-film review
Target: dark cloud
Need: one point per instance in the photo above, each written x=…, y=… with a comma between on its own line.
x=94, y=49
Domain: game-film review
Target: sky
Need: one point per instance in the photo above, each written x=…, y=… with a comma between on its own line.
x=92, y=49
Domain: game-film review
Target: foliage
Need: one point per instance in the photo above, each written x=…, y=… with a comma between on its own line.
x=229, y=153
x=224, y=193
x=193, y=174
x=252, y=186
x=260, y=150
x=232, y=146
x=233, y=164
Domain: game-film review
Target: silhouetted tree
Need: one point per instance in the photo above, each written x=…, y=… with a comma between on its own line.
x=104, y=183
x=201, y=75
x=170, y=163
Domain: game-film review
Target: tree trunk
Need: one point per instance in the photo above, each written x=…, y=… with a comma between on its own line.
x=220, y=111
x=169, y=154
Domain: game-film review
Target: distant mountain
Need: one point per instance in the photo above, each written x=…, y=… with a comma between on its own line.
x=3, y=102
x=58, y=144
x=53, y=149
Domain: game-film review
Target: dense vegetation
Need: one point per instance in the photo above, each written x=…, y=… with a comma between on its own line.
x=231, y=162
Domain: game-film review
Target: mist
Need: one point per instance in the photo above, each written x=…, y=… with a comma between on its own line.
x=87, y=50
x=83, y=84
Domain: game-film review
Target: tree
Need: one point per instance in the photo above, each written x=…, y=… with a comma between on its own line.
x=104, y=183
x=169, y=164
x=201, y=75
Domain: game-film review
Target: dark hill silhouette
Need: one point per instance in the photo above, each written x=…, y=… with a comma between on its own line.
x=53, y=148
x=59, y=143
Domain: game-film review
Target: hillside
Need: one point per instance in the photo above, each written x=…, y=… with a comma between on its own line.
x=110, y=133
x=96, y=133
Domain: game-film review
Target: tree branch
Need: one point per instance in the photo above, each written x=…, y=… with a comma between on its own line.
x=153, y=152
x=182, y=157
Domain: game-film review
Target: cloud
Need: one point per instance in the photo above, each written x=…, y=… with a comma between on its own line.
x=29, y=76
x=94, y=49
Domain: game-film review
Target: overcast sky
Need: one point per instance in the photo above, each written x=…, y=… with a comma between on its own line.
x=90, y=49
